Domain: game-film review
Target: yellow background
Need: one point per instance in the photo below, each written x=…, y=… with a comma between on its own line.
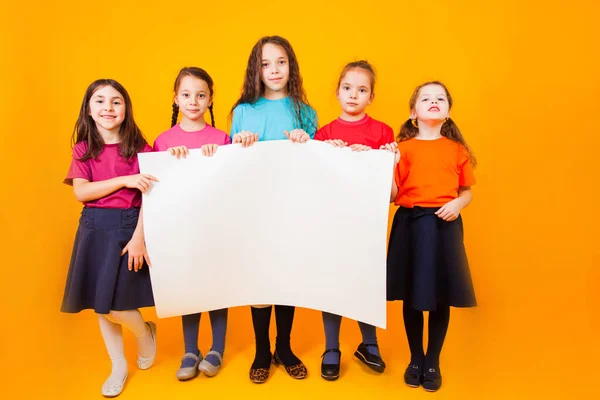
x=524, y=76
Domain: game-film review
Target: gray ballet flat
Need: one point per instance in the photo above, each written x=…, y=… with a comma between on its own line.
x=185, y=373
x=207, y=367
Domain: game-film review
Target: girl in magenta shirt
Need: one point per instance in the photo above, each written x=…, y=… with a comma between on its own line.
x=193, y=97
x=105, y=177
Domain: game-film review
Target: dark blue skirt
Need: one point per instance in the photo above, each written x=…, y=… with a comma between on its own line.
x=427, y=263
x=98, y=276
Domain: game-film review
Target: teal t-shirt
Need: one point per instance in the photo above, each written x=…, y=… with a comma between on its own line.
x=269, y=118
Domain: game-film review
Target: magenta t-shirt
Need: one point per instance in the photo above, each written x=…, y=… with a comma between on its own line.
x=108, y=165
x=192, y=140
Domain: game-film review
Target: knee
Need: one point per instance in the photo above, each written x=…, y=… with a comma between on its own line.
x=115, y=316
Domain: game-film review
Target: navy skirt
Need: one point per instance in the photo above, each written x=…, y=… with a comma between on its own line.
x=98, y=276
x=427, y=263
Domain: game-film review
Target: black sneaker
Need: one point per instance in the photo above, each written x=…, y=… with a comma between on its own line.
x=413, y=376
x=432, y=380
x=370, y=360
x=331, y=372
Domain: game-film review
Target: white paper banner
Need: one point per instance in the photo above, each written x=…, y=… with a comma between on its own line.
x=275, y=223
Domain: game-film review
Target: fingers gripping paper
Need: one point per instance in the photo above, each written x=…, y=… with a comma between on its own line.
x=275, y=223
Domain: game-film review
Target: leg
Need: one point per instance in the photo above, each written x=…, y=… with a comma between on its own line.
x=145, y=334
x=191, y=324
x=284, y=317
x=438, y=326
x=218, y=322
x=330, y=366
x=112, y=334
x=189, y=363
x=413, y=324
x=369, y=336
x=261, y=320
x=368, y=350
x=212, y=363
x=133, y=321
x=332, y=324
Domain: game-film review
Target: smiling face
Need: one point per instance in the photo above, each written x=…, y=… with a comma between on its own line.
x=275, y=70
x=431, y=104
x=107, y=109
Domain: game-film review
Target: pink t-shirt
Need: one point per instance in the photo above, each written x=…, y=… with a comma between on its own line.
x=108, y=165
x=193, y=140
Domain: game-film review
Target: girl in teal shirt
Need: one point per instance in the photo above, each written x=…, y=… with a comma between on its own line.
x=273, y=106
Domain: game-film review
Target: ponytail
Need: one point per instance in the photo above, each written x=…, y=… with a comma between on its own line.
x=451, y=131
x=407, y=131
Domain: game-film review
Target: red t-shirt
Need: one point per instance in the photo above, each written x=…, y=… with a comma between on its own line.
x=431, y=171
x=366, y=131
x=108, y=165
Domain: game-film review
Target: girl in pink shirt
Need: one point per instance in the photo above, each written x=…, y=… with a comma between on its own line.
x=105, y=177
x=194, y=91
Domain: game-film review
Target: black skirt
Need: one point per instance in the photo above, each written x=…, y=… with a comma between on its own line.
x=427, y=263
x=98, y=276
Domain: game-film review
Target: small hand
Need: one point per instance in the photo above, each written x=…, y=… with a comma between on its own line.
x=297, y=136
x=179, y=151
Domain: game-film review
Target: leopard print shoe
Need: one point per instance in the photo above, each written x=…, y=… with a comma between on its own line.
x=260, y=375
x=297, y=371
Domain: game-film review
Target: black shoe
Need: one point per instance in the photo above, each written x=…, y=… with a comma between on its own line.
x=331, y=372
x=432, y=380
x=370, y=360
x=413, y=376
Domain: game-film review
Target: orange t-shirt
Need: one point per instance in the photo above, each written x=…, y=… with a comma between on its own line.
x=431, y=171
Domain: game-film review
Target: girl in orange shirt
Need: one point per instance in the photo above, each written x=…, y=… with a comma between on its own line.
x=427, y=265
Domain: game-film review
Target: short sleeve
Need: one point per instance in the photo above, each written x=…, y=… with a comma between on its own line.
x=465, y=168
x=322, y=134
x=78, y=168
x=147, y=149
x=236, y=121
x=387, y=135
x=156, y=146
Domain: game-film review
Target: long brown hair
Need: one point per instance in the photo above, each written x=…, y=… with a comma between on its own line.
x=254, y=86
x=196, y=73
x=131, y=139
x=449, y=128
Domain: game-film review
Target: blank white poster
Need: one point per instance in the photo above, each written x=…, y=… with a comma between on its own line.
x=275, y=223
